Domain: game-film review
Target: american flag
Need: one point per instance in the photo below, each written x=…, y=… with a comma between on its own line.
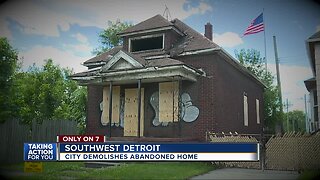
x=255, y=26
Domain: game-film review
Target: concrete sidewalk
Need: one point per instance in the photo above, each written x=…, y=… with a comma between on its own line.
x=239, y=173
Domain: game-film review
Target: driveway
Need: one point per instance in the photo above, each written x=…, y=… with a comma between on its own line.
x=239, y=173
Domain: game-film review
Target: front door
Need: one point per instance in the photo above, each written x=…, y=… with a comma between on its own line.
x=131, y=112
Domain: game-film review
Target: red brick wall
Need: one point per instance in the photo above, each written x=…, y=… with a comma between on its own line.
x=202, y=94
x=219, y=96
x=231, y=85
x=93, y=110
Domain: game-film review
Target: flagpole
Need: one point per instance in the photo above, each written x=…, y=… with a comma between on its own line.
x=265, y=43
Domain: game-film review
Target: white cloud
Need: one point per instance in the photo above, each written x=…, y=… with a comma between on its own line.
x=47, y=18
x=63, y=58
x=201, y=9
x=227, y=39
x=292, y=84
x=318, y=28
x=80, y=37
x=139, y=10
x=33, y=18
x=84, y=48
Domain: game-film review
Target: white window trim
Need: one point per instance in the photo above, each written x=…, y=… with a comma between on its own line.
x=117, y=57
x=145, y=37
x=245, y=110
x=258, y=110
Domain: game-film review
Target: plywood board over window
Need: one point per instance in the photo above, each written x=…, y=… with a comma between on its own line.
x=168, y=101
x=115, y=105
x=131, y=112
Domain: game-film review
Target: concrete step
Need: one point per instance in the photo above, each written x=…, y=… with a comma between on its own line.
x=100, y=164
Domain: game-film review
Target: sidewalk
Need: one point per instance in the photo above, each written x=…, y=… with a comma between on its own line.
x=239, y=173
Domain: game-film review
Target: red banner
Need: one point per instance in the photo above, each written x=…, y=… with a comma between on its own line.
x=80, y=138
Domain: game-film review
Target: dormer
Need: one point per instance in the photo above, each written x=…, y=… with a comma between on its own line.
x=154, y=34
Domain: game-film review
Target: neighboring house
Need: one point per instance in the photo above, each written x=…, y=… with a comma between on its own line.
x=160, y=64
x=313, y=84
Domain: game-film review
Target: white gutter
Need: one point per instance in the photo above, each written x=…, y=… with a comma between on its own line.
x=84, y=78
x=147, y=73
x=157, y=57
x=199, y=51
x=94, y=63
x=185, y=53
x=313, y=40
x=149, y=69
x=152, y=30
x=93, y=69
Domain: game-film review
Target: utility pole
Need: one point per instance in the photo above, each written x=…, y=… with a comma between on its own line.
x=278, y=72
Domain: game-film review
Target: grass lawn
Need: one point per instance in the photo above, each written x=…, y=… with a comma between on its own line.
x=76, y=170
x=307, y=175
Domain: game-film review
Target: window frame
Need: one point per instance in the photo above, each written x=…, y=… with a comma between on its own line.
x=146, y=37
x=245, y=109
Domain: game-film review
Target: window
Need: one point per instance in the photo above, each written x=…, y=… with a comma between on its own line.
x=245, y=109
x=258, y=110
x=145, y=43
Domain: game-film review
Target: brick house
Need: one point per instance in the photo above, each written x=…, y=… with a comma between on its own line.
x=168, y=81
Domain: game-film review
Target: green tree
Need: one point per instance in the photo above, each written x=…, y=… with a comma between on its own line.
x=296, y=120
x=47, y=93
x=8, y=67
x=109, y=36
x=252, y=60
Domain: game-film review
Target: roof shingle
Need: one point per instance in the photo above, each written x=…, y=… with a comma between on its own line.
x=104, y=56
x=192, y=41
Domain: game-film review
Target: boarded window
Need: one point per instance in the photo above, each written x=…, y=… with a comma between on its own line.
x=131, y=112
x=115, y=105
x=147, y=43
x=245, y=110
x=168, y=101
x=258, y=110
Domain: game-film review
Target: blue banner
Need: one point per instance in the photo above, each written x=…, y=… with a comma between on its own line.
x=40, y=151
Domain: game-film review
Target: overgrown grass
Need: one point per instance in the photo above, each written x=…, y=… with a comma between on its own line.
x=308, y=175
x=76, y=170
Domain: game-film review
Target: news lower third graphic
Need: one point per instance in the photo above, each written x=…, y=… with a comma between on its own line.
x=95, y=148
x=40, y=151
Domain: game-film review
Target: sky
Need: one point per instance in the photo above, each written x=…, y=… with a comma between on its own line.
x=67, y=30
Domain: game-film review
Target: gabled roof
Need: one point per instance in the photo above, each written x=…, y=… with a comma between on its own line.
x=128, y=61
x=314, y=37
x=103, y=56
x=152, y=23
x=192, y=40
x=311, y=84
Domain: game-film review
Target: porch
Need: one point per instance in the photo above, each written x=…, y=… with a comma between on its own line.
x=132, y=87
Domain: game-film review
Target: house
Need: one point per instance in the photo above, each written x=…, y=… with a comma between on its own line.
x=313, y=84
x=168, y=81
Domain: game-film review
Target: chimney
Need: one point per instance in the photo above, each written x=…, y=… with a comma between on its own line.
x=208, y=31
